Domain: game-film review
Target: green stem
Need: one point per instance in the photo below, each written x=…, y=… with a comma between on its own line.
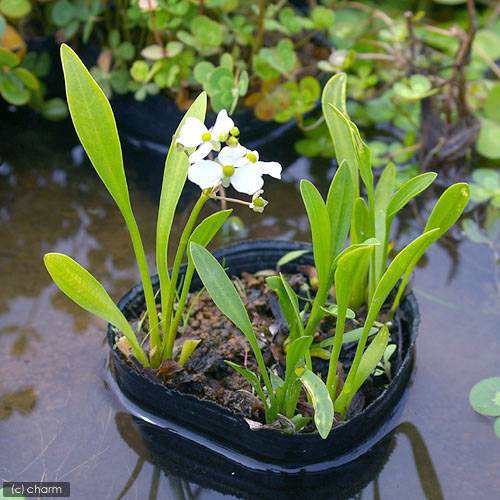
x=174, y=326
x=179, y=255
x=142, y=264
x=316, y=312
x=260, y=26
x=332, y=379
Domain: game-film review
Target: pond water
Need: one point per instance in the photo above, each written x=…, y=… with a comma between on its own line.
x=59, y=419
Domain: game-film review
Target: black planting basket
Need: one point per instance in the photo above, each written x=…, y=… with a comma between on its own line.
x=231, y=431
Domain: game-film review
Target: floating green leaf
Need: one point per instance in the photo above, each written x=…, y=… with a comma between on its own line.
x=484, y=397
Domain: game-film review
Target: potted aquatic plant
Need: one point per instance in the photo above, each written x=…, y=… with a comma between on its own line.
x=305, y=349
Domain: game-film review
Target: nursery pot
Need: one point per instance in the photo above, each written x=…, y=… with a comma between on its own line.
x=229, y=431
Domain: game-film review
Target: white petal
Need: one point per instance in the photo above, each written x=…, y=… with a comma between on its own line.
x=205, y=173
x=229, y=155
x=191, y=132
x=247, y=179
x=223, y=124
x=201, y=152
x=272, y=168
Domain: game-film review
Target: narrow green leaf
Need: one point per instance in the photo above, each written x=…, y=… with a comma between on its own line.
x=449, y=208
x=206, y=230
x=360, y=224
x=290, y=256
x=366, y=172
x=334, y=92
x=333, y=310
x=344, y=141
x=320, y=228
x=95, y=125
x=413, y=251
x=339, y=204
x=346, y=268
x=444, y=215
x=371, y=357
x=83, y=289
x=409, y=190
x=289, y=304
x=174, y=178
x=349, y=337
x=188, y=347
x=321, y=401
x=383, y=195
x=227, y=299
x=296, y=350
x=251, y=377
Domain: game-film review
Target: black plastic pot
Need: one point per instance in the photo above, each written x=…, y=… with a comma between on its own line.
x=230, y=431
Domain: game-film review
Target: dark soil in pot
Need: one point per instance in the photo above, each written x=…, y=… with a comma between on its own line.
x=208, y=386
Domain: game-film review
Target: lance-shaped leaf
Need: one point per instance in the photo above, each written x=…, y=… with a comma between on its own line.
x=444, y=215
x=371, y=357
x=409, y=190
x=174, y=178
x=289, y=304
x=95, y=125
x=188, y=347
x=383, y=194
x=203, y=234
x=82, y=288
x=397, y=268
x=252, y=378
x=334, y=92
x=321, y=401
x=226, y=298
x=346, y=268
x=96, y=128
x=339, y=204
x=319, y=221
x=295, y=352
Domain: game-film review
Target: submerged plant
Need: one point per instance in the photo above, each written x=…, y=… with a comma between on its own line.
x=95, y=125
x=361, y=272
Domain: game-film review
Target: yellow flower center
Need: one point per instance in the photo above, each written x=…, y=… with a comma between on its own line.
x=228, y=170
x=232, y=141
x=206, y=137
x=235, y=131
x=252, y=157
x=259, y=202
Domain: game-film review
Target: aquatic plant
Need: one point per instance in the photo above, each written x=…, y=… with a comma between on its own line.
x=361, y=272
x=21, y=72
x=484, y=398
x=95, y=125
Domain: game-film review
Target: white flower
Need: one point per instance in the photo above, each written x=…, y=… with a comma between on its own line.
x=148, y=5
x=258, y=203
x=233, y=167
x=194, y=133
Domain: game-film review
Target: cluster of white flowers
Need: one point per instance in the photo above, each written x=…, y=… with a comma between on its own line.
x=234, y=165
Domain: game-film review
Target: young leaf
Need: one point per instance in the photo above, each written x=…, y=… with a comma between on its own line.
x=295, y=352
x=413, y=251
x=252, y=378
x=174, y=178
x=206, y=230
x=409, y=190
x=444, y=215
x=360, y=224
x=81, y=287
x=321, y=401
x=334, y=93
x=320, y=228
x=346, y=268
x=290, y=256
x=371, y=357
x=188, y=348
x=227, y=299
x=344, y=142
x=339, y=204
x=96, y=128
x=383, y=194
x=95, y=125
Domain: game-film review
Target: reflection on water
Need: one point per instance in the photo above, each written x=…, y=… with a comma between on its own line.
x=60, y=421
